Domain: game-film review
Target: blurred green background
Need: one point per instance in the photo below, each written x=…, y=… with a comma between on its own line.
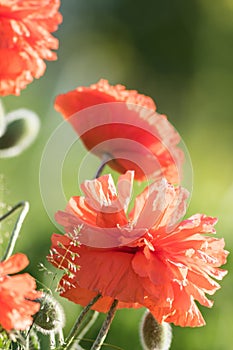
x=181, y=54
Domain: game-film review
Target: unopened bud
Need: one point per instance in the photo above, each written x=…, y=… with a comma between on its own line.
x=50, y=318
x=155, y=336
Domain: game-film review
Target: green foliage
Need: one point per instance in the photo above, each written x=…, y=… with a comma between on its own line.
x=4, y=341
x=34, y=343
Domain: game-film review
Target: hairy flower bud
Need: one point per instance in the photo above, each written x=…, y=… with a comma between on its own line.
x=50, y=318
x=154, y=336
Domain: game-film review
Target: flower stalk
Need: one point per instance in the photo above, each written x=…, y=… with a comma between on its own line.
x=15, y=233
x=89, y=324
x=105, y=158
x=74, y=331
x=105, y=327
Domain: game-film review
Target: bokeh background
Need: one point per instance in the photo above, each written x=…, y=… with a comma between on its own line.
x=181, y=54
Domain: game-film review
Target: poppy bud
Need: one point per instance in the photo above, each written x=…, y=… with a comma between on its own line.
x=50, y=318
x=155, y=336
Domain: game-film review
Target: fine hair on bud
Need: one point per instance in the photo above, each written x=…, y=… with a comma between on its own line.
x=50, y=318
x=153, y=335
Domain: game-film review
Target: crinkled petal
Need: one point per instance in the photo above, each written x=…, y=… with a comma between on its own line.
x=26, y=41
x=159, y=205
x=17, y=294
x=166, y=269
x=82, y=296
x=124, y=188
x=102, y=92
x=100, y=192
x=104, y=271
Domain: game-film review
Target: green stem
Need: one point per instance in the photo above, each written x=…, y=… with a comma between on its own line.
x=86, y=328
x=90, y=322
x=2, y=120
x=74, y=331
x=60, y=337
x=105, y=327
x=27, y=343
x=17, y=227
x=52, y=341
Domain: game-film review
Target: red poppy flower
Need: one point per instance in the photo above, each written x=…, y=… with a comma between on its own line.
x=17, y=294
x=159, y=264
x=25, y=41
x=123, y=125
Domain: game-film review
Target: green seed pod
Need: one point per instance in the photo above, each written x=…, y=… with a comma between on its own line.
x=154, y=336
x=50, y=318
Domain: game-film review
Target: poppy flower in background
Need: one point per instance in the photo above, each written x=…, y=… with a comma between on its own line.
x=25, y=41
x=17, y=294
x=165, y=269
x=125, y=126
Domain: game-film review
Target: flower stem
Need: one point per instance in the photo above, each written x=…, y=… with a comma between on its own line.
x=74, y=331
x=86, y=328
x=105, y=158
x=52, y=341
x=60, y=336
x=91, y=321
x=2, y=120
x=17, y=227
x=27, y=343
x=105, y=327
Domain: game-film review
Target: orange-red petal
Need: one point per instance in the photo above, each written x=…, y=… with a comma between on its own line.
x=102, y=92
x=166, y=269
x=13, y=264
x=124, y=125
x=17, y=294
x=25, y=41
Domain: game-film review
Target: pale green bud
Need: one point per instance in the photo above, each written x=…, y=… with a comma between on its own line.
x=154, y=336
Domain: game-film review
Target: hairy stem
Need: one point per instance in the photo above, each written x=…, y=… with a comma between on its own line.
x=90, y=322
x=17, y=227
x=105, y=327
x=74, y=331
x=52, y=341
